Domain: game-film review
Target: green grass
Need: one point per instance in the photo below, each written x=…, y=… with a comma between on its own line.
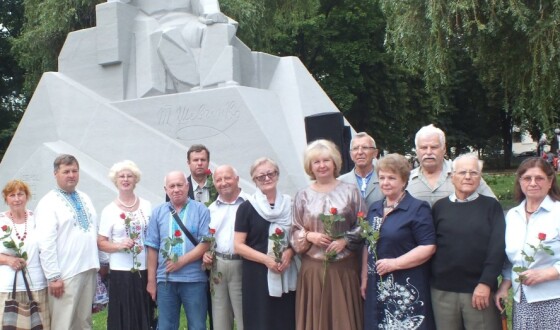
x=100, y=320
x=502, y=186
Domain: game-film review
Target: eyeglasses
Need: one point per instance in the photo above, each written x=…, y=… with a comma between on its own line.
x=364, y=148
x=527, y=179
x=473, y=174
x=270, y=175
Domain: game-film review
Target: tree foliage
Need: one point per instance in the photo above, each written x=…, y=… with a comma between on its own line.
x=513, y=45
x=11, y=75
x=47, y=23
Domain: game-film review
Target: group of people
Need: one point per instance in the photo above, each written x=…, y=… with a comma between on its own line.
x=380, y=247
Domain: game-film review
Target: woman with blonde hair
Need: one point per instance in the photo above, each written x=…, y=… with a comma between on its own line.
x=326, y=234
x=122, y=229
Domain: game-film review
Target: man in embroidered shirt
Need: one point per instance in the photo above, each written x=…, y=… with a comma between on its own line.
x=363, y=151
x=226, y=287
x=183, y=282
x=470, y=230
x=431, y=181
x=68, y=251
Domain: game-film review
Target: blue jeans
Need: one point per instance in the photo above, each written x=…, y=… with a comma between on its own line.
x=171, y=295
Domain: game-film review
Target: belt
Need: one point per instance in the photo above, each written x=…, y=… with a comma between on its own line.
x=228, y=256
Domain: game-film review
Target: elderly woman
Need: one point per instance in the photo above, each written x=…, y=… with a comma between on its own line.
x=122, y=230
x=395, y=270
x=532, y=232
x=21, y=224
x=269, y=281
x=325, y=233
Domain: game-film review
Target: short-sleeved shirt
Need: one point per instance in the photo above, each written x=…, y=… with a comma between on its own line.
x=196, y=219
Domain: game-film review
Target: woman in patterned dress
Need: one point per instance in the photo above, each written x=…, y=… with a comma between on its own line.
x=396, y=271
x=328, y=288
x=122, y=230
x=533, y=249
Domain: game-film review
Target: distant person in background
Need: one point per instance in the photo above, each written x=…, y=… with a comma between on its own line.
x=470, y=253
x=532, y=231
x=432, y=180
x=363, y=151
x=122, y=231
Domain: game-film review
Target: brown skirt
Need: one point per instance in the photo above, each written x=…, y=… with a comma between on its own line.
x=332, y=304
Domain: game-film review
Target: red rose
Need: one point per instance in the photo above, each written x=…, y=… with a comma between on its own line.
x=212, y=231
x=5, y=228
x=208, y=172
x=334, y=211
x=360, y=214
x=123, y=216
x=279, y=231
x=542, y=236
x=177, y=233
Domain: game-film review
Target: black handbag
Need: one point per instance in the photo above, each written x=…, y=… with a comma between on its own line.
x=21, y=316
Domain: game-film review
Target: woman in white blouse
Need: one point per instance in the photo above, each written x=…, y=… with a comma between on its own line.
x=122, y=230
x=533, y=248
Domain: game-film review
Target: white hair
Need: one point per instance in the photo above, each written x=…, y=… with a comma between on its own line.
x=362, y=135
x=429, y=131
x=467, y=156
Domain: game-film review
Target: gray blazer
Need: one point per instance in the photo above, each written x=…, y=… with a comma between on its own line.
x=373, y=192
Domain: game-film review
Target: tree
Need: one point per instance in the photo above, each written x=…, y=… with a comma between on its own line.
x=47, y=23
x=513, y=46
x=11, y=76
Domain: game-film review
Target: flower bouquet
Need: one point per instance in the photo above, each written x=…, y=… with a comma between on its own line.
x=278, y=244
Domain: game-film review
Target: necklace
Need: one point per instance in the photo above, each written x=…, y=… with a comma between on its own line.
x=24, y=236
x=394, y=205
x=128, y=206
x=526, y=211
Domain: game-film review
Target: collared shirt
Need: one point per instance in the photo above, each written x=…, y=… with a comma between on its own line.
x=419, y=187
x=363, y=181
x=470, y=198
x=520, y=234
x=201, y=193
x=196, y=221
x=222, y=219
x=66, y=248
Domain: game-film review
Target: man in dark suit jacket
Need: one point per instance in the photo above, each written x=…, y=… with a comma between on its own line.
x=363, y=151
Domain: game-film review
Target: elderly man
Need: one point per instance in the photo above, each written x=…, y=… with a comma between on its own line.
x=225, y=278
x=432, y=180
x=362, y=152
x=68, y=251
x=470, y=231
x=175, y=274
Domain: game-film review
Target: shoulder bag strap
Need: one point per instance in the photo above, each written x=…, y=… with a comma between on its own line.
x=182, y=226
x=26, y=285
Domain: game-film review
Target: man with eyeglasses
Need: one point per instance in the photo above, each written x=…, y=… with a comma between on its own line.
x=432, y=180
x=363, y=151
x=226, y=266
x=470, y=231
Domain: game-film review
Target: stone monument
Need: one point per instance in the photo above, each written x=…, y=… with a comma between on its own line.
x=152, y=78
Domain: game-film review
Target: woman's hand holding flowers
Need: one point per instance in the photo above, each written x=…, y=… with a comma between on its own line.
x=286, y=259
x=17, y=263
x=319, y=239
x=337, y=245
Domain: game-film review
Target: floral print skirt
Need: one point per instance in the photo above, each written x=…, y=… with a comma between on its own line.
x=540, y=315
